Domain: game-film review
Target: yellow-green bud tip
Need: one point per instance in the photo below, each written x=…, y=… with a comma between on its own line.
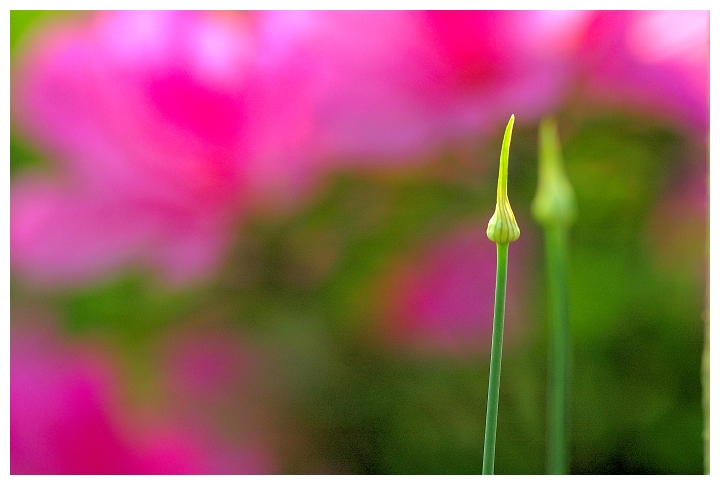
x=502, y=227
x=554, y=202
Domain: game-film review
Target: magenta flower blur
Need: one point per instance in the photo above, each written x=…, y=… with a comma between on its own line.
x=678, y=227
x=392, y=85
x=67, y=417
x=207, y=362
x=158, y=121
x=215, y=376
x=652, y=60
x=442, y=303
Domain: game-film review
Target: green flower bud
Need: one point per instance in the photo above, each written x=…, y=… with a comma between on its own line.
x=502, y=227
x=554, y=202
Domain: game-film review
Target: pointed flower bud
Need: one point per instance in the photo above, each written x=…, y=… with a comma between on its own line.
x=502, y=227
x=554, y=202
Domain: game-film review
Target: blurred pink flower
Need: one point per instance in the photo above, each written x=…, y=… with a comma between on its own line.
x=66, y=417
x=391, y=85
x=444, y=302
x=657, y=60
x=213, y=377
x=165, y=124
x=678, y=227
x=205, y=362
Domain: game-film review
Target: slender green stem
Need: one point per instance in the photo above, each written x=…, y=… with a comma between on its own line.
x=495, y=360
x=502, y=230
x=554, y=208
x=556, y=250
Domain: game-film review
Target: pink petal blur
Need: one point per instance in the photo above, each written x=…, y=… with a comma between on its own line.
x=443, y=302
x=652, y=60
x=67, y=417
x=678, y=227
x=392, y=85
x=205, y=363
x=64, y=236
x=158, y=120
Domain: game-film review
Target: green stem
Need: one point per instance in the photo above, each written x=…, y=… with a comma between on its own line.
x=495, y=360
x=556, y=250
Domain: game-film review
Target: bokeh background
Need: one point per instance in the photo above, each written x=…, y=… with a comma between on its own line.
x=254, y=242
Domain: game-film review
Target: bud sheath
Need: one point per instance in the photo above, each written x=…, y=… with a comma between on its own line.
x=554, y=202
x=502, y=227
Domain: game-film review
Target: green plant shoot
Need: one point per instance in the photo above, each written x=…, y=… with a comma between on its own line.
x=554, y=208
x=502, y=230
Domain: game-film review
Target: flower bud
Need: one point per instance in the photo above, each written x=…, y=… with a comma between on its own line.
x=554, y=202
x=502, y=227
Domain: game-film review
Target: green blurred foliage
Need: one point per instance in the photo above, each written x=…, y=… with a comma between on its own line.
x=24, y=157
x=22, y=22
